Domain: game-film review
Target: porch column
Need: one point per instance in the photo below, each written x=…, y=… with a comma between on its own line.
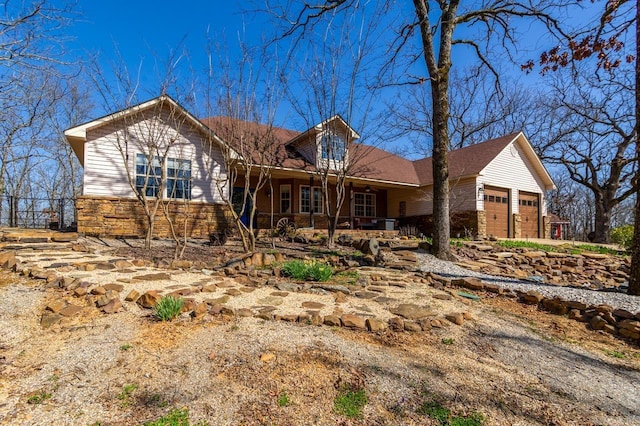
x=351, y=205
x=311, y=202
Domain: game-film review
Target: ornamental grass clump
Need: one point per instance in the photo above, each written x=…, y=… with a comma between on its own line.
x=168, y=308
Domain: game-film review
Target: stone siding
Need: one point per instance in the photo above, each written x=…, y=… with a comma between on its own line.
x=124, y=217
x=517, y=225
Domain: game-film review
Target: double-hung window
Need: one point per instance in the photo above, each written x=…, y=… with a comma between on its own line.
x=178, y=178
x=364, y=204
x=285, y=198
x=148, y=176
x=309, y=201
x=333, y=147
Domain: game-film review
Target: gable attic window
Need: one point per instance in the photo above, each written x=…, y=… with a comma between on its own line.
x=333, y=147
x=148, y=176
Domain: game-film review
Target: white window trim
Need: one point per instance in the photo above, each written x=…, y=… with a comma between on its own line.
x=311, y=191
x=164, y=174
x=288, y=187
x=373, y=204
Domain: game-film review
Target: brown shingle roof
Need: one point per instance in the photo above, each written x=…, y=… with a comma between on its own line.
x=371, y=162
x=467, y=161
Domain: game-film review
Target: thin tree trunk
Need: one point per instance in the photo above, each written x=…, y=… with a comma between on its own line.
x=634, y=276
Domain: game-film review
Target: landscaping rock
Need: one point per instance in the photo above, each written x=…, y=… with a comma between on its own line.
x=312, y=305
x=332, y=321
x=70, y=310
x=271, y=300
x=413, y=327
x=410, y=311
x=375, y=325
x=132, y=296
x=153, y=277
x=353, y=321
x=456, y=318
x=532, y=297
x=114, y=305
x=396, y=324
x=217, y=301
x=49, y=318
x=149, y=299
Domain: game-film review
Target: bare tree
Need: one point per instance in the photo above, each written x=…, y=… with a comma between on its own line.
x=336, y=97
x=241, y=101
x=590, y=132
x=434, y=22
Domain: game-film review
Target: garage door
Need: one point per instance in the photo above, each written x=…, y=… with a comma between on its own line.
x=496, y=206
x=529, y=213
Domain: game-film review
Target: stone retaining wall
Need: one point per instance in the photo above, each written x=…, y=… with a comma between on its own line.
x=123, y=217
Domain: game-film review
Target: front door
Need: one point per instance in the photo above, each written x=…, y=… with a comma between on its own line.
x=238, y=200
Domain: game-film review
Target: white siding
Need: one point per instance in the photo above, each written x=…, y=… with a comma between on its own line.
x=104, y=166
x=511, y=169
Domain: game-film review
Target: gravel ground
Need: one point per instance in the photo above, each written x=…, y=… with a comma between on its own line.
x=429, y=263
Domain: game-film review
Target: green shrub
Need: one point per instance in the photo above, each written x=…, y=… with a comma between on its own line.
x=168, y=308
x=295, y=269
x=623, y=236
x=434, y=410
x=350, y=403
x=176, y=417
x=319, y=272
x=313, y=271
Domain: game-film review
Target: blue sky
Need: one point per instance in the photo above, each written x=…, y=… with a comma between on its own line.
x=138, y=28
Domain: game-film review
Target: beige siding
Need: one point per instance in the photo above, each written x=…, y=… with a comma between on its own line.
x=512, y=170
x=105, y=173
x=420, y=201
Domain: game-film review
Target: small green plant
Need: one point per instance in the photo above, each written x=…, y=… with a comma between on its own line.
x=312, y=271
x=350, y=402
x=39, y=397
x=435, y=410
x=125, y=347
x=283, y=399
x=175, y=417
x=126, y=394
x=474, y=419
x=168, y=308
x=615, y=354
x=447, y=341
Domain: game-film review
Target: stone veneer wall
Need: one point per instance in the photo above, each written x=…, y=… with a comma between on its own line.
x=546, y=227
x=124, y=217
x=517, y=225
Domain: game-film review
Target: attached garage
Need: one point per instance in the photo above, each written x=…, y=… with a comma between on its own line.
x=529, y=205
x=496, y=207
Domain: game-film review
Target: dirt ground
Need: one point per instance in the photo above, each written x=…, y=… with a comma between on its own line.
x=511, y=363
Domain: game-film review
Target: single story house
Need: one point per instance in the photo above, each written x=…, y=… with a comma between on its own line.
x=497, y=187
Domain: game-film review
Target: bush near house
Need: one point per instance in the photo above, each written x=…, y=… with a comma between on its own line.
x=623, y=236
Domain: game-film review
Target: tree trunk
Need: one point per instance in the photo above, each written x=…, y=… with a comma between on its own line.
x=149, y=235
x=441, y=220
x=634, y=275
x=602, y=222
